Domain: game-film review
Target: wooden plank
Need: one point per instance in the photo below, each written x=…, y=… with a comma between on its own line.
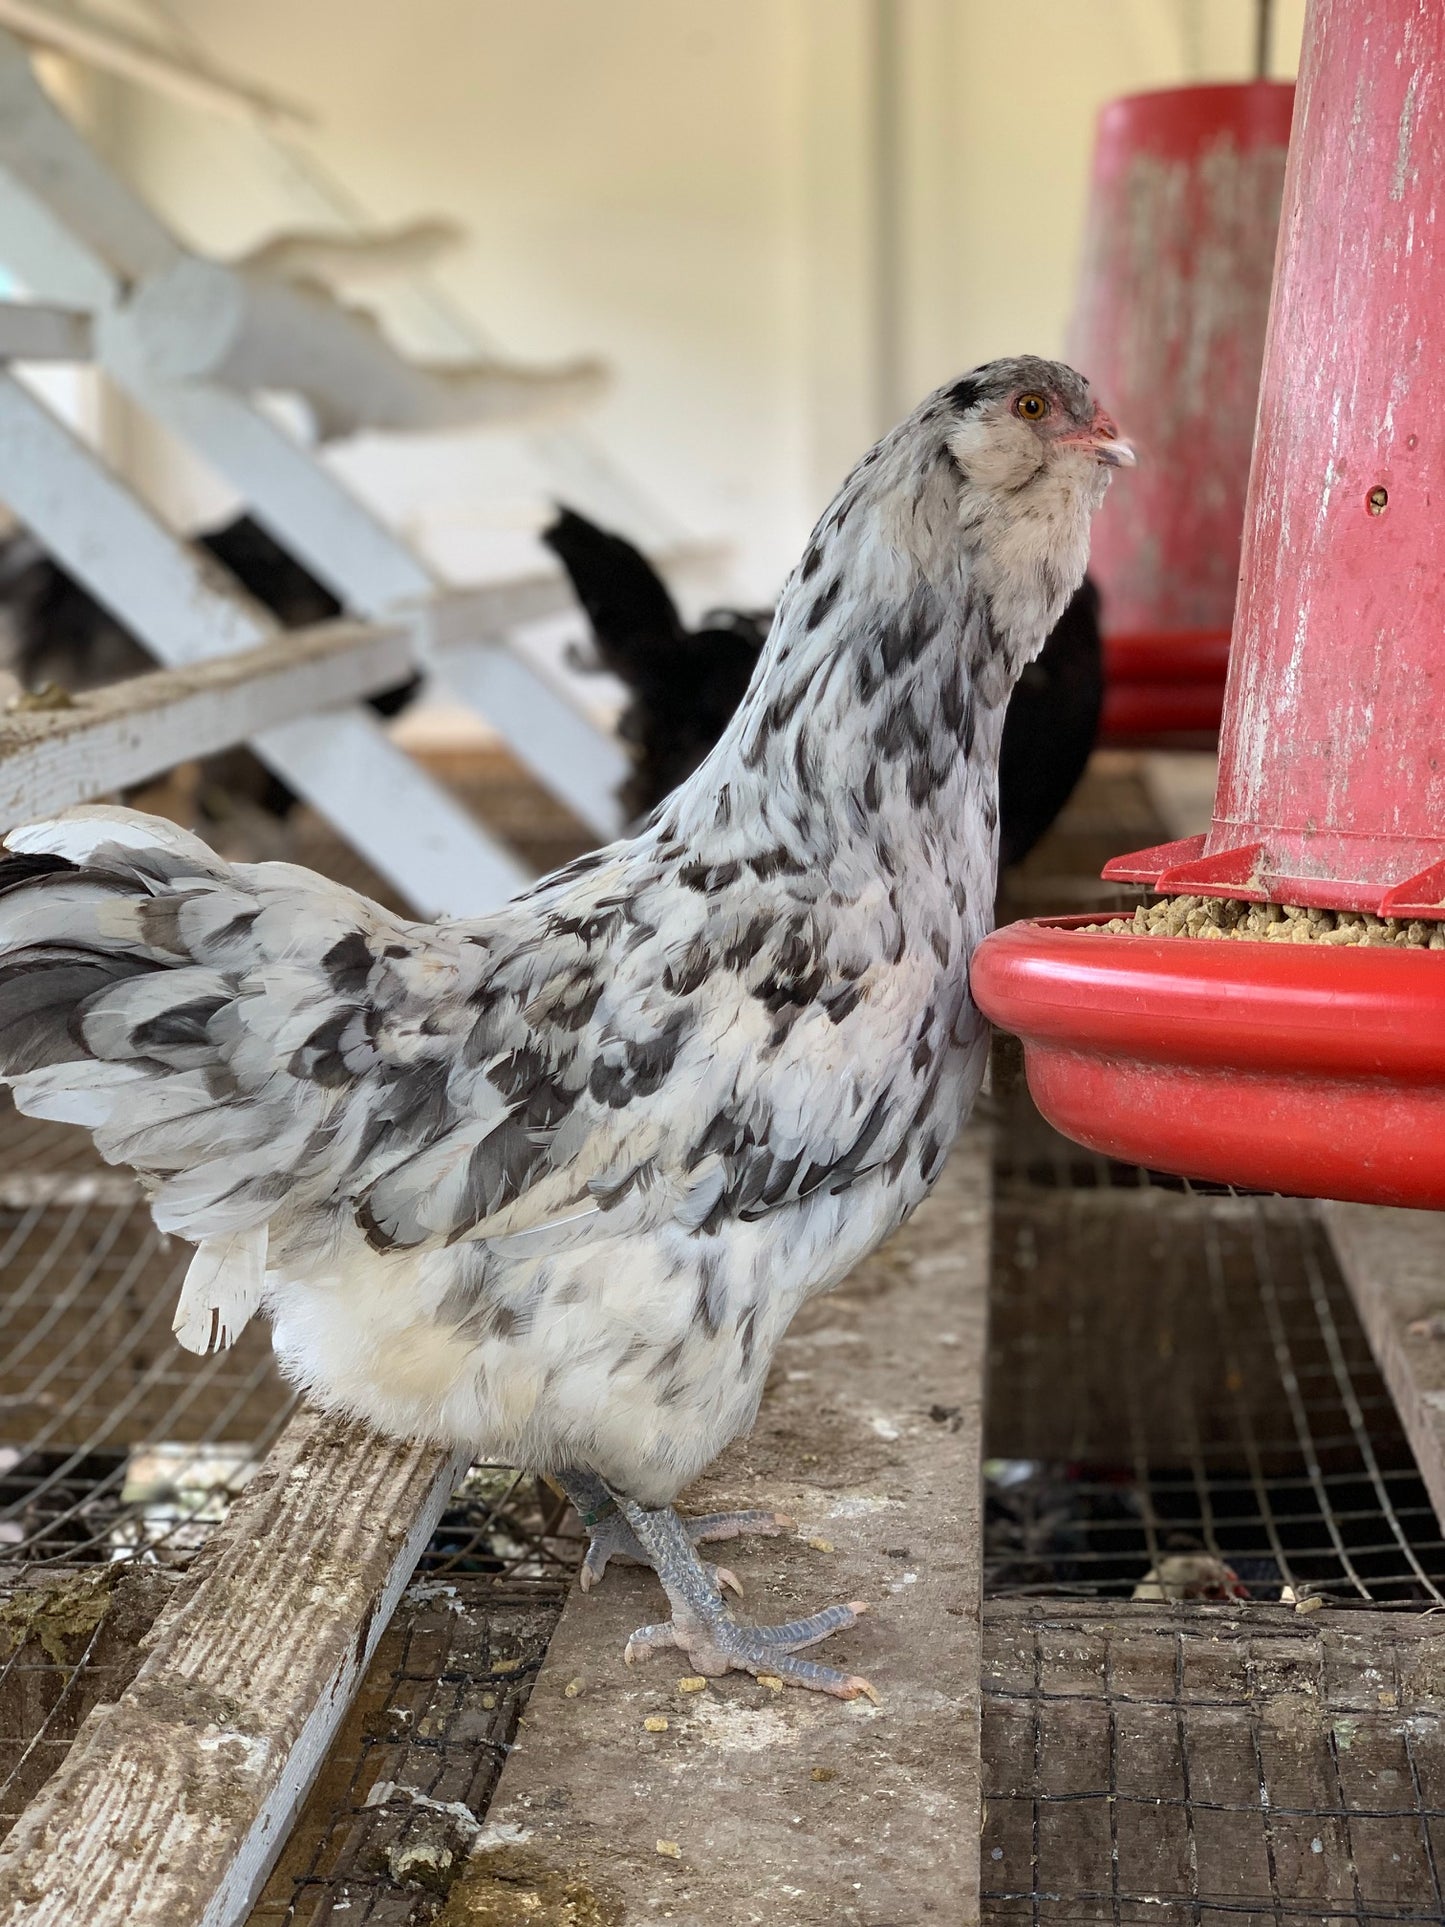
x=108, y=738
x=1394, y=1263
x=176, y=1798
x=37, y=331
x=186, y=608
x=794, y=1807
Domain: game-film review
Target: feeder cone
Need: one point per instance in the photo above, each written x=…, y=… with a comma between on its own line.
x=1292, y=1065
x=1172, y=306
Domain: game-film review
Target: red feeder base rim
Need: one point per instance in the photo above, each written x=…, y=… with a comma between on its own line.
x=1310, y=1069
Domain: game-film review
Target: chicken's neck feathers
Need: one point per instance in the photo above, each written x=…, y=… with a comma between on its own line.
x=870, y=733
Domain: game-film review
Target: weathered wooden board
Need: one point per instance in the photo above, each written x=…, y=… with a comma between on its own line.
x=175, y=1799
x=108, y=738
x=794, y=1807
x=1394, y=1264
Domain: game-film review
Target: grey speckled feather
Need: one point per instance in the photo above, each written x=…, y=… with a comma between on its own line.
x=552, y=1182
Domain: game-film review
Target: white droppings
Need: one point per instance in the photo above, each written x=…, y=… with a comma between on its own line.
x=254, y=1748
x=734, y=1728
x=477, y=1836
x=860, y=1507
x=426, y=1592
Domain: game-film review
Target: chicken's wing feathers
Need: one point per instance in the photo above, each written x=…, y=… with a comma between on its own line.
x=265, y=1046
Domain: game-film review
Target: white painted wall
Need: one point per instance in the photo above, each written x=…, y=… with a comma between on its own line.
x=695, y=191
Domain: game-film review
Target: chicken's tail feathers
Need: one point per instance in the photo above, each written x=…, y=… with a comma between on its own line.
x=223, y=1288
x=185, y=1012
x=633, y=616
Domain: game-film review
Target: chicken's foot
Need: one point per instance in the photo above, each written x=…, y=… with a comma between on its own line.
x=705, y=1628
x=609, y=1536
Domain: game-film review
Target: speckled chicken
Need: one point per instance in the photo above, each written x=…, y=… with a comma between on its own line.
x=552, y=1182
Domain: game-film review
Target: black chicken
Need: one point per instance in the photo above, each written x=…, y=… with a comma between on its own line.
x=685, y=684
x=1050, y=727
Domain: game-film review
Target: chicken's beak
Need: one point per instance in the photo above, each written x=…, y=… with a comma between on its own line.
x=1104, y=439
x=1101, y=438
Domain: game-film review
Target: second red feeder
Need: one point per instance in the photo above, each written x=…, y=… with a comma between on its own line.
x=1173, y=301
x=1299, y=1066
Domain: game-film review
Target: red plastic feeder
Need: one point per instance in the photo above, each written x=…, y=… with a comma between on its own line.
x=1296, y=1066
x=1174, y=297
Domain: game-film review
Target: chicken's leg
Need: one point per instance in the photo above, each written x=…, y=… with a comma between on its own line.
x=609, y=1536
x=705, y=1629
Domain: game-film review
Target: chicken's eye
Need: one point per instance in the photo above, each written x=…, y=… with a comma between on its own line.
x=1033, y=408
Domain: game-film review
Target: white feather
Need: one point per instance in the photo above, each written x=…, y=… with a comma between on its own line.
x=222, y=1290
x=80, y=832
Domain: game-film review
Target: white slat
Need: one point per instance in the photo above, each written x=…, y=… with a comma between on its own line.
x=372, y=570
x=54, y=174
x=113, y=51
x=186, y=609
x=91, y=206
x=33, y=331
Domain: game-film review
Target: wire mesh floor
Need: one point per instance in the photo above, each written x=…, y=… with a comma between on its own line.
x=112, y=1439
x=68, y=1641
x=1198, y=1768
x=389, y=1823
x=1174, y=1374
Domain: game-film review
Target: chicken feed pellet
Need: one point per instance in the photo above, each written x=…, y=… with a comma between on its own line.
x=1271, y=923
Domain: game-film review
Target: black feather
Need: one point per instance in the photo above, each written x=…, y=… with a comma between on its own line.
x=684, y=684
x=25, y=868
x=42, y=1002
x=1050, y=727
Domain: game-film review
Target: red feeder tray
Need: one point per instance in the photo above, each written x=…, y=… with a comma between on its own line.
x=1285, y=1067
x=1303, y=1067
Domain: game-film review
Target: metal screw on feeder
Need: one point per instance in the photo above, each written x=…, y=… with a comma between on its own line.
x=1172, y=304
x=1298, y=1066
